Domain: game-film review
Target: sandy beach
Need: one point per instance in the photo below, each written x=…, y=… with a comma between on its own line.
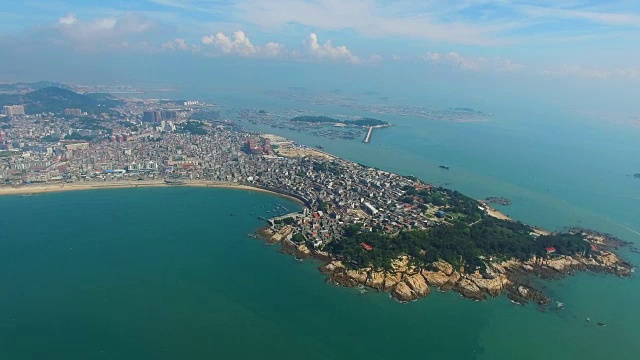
x=500, y=215
x=59, y=187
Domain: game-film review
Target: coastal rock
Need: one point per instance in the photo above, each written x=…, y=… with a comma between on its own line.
x=401, y=264
x=493, y=286
x=341, y=278
x=563, y=264
x=527, y=267
x=523, y=293
x=359, y=275
x=391, y=280
x=435, y=278
x=470, y=290
x=300, y=251
x=332, y=267
x=609, y=259
x=376, y=280
x=444, y=267
x=403, y=292
x=418, y=284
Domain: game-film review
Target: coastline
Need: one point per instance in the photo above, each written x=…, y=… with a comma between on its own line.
x=61, y=187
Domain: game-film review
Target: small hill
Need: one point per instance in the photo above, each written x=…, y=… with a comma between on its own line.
x=24, y=87
x=55, y=100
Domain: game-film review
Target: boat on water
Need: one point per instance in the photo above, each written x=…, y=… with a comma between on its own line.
x=444, y=167
x=319, y=147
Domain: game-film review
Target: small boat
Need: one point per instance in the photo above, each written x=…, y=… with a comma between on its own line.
x=602, y=324
x=444, y=167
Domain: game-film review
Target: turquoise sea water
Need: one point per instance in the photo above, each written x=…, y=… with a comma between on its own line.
x=167, y=273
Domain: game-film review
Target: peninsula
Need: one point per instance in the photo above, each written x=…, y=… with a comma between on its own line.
x=369, y=227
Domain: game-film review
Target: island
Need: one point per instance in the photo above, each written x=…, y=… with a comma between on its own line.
x=368, y=227
x=364, y=122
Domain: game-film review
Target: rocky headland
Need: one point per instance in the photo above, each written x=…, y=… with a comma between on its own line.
x=407, y=282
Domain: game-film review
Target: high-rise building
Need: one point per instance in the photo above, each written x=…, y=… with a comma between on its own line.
x=151, y=116
x=169, y=115
x=13, y=110
x=73, y=112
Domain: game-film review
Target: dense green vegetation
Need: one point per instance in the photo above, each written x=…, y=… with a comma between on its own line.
x=286, y=221
x=49, y=138
x=76, y=136
x=54, y=99
x=457, y=244
x=326, y=119
x=467, y=236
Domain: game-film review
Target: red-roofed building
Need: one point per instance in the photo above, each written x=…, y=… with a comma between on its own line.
x=550, y=250
x=366, y=246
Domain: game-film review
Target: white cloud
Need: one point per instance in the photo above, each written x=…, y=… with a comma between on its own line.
x=99, y=33
x=179, y=44
x=471, y=63
x=239, y=44
x=68, y=20
x=327, y=51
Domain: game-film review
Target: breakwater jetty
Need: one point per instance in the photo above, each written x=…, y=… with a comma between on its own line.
x=367, y=138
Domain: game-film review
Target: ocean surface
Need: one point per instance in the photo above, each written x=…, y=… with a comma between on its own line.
x=168, y=273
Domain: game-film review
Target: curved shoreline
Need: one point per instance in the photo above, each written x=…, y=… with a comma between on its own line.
x=60, y=187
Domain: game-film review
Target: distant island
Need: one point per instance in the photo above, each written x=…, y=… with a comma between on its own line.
x=364, y=122
x=468, y=110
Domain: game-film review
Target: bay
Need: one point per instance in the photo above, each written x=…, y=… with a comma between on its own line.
x=166, y=273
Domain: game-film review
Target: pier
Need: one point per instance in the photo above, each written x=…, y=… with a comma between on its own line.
x=367, y=139
x=294, y=215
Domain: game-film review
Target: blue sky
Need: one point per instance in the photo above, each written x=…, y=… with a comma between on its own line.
x=506, y=40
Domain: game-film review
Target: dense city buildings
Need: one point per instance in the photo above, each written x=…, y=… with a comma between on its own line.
x=72, y=112
x=13, y=110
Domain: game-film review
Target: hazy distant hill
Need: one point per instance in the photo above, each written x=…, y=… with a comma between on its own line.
x=55, y=100
x=22, y=87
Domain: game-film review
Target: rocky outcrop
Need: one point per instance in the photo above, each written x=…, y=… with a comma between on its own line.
x=376, y=280
x=403, y=292
x=470, y=290
x=440, y=279
x=299, y=251
x=444, y=267
x=332, y=267
x=391, y=280
x=563, y=264
x=359, y=276
x=522, y=293
x=492, y=286
x=418, y=285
